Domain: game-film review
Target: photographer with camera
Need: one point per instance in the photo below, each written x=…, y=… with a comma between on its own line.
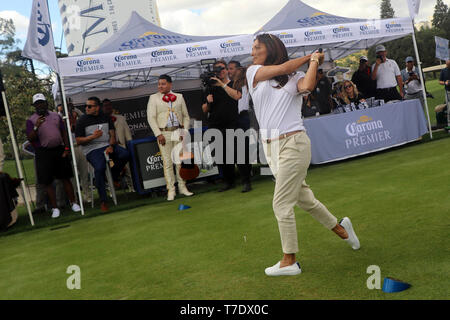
x=411, y=80
x=388, y=76
x=221, y=102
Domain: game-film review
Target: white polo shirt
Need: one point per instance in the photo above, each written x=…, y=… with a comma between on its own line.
x=278, y=111
x=387, y=73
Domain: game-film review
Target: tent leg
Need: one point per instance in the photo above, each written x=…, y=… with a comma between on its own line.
x=26, y=196
x=72, y=149
x=424, y=94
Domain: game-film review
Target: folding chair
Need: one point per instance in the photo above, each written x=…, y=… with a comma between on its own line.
x=109, y=181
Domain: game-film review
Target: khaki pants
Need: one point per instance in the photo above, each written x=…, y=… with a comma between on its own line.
x=172, y=139
x=82, y=166
x=2, y=155
x=289, y=160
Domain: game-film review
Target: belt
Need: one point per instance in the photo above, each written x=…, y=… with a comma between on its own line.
x=170, y=128
x=283, y=136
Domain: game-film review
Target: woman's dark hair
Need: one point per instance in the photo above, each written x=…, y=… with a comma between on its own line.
x=276, y=54
x=241, y=79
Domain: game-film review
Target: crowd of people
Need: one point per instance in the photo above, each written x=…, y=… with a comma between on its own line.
x=383, y=80
x=99, y=133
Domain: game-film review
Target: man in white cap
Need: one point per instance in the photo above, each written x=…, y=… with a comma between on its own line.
x=362, y=78
x=46, y=132
x=411, y=80
x=388, y=76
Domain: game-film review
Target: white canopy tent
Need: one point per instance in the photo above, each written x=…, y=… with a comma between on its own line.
x=141, y=51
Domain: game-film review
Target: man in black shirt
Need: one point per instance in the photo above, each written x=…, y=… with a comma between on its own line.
x=322, y=93
x=222, y=105
x=96, y=134
x=363, y=78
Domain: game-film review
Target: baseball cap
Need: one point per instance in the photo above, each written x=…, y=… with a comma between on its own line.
x=363, y=58
x=380, y=48
x=410, y=59
x=38, y=97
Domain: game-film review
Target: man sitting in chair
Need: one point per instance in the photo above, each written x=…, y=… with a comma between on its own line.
x=96, y=134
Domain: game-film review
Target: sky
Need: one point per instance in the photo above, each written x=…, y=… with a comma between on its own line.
x=218, y=17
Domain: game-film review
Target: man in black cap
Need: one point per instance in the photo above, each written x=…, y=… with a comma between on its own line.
x=363, y=78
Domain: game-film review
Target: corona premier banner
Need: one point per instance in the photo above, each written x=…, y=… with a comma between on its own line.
x=88, y=23
x=345, y=32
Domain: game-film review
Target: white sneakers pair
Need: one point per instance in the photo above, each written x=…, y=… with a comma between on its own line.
x=184, y=191
x=56, y=213
x=295, y=268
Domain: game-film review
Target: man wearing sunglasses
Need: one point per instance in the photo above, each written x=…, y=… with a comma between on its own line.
x=96, y=134
x=411, y=80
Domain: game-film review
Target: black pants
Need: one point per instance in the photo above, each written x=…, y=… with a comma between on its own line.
x=388, y=94
x=227, y=169
x=245, y=169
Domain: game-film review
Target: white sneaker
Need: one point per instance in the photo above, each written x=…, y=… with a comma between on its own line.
x=352, y=239
x=186, y=192
x=291, y=270
x=55, y=213
x=76, y=208
x=171, y=196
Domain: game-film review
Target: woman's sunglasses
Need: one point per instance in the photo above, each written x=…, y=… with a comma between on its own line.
x=349, y=86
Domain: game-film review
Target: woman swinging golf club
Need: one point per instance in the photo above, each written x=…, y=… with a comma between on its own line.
x=276, y=89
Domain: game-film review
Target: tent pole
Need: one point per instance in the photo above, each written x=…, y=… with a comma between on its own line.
x=26, y=196
x=72, y=148
x=419, y=65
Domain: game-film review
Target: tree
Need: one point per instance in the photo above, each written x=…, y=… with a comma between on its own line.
x=441, y=14
x=20, y=86
x=386, y=10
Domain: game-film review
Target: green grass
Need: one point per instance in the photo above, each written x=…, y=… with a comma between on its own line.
x=398, y=202
x=27, y=167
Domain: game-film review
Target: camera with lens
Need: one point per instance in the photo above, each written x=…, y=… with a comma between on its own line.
x=379, y=57
x=211, y=71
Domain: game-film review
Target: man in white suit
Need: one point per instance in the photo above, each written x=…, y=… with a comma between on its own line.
x=167, y=116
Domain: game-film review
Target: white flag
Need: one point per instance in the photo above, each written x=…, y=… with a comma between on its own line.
x=413, y=6
x=40, y=45
x=442, y=51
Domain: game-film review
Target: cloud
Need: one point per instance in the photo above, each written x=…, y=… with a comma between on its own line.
x=20, y=22
x=225, y=17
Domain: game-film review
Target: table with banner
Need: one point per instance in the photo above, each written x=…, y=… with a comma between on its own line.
x=147, y=165
x=341, y=136
x=333, y=137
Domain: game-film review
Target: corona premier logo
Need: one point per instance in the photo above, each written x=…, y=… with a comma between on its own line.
x=125, y=57
x=394, y=27
x=161, y=52
x=314, y=35
x=154, y=159
x=150, y=38
x=367, y=29
x=196, y=48
x=197, y=51
x=89, y=64
x=231, y=46
x=126, y=60
x=342, y=32
x=364, y=124
x=162, y=55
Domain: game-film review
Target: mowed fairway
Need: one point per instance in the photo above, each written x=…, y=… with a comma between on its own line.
x=398, y=201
